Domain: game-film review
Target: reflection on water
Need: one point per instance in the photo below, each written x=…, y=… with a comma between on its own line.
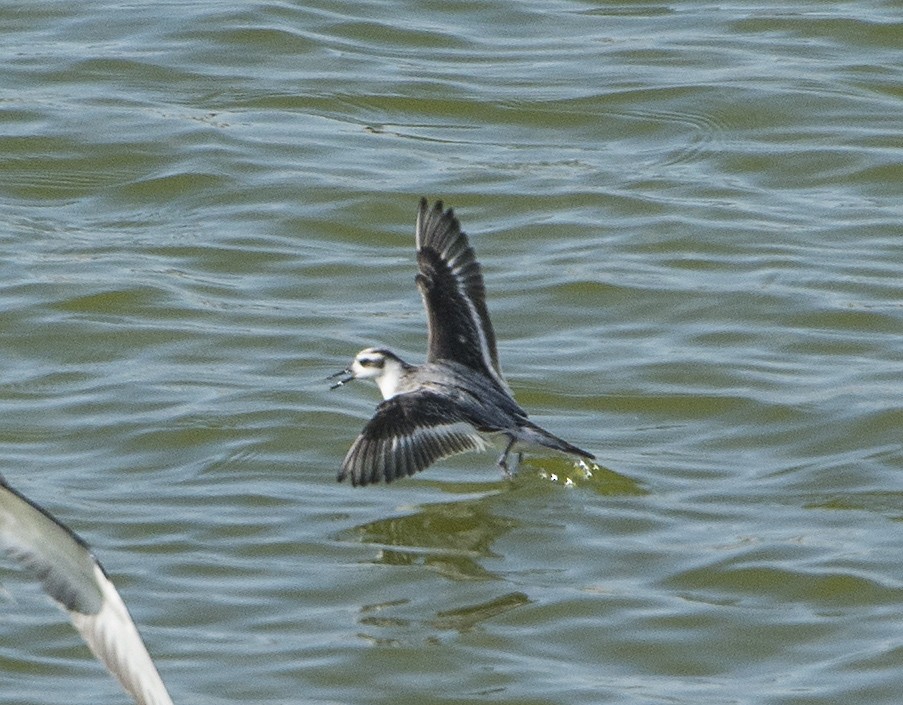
x=447, y=538
x=455, y=539
x=450, y=538
x=466, y=618
x=379, y=621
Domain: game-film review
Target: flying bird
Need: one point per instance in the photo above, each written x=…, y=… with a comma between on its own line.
x=73, y=577
x=457, y=401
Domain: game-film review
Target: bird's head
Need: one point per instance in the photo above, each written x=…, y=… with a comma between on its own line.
x=381, y=365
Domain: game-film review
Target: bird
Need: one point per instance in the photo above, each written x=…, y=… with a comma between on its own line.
x=458, y=400
x=73, y=577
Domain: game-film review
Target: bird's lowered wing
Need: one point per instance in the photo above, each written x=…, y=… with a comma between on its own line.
x=408, y=433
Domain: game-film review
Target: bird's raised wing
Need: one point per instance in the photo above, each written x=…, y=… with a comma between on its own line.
x=408, y=433
x=72, y=576
x=451, y=283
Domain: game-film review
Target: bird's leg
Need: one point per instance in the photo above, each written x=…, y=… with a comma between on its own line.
x=503, y=458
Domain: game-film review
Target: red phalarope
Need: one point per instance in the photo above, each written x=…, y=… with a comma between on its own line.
x=458, y=400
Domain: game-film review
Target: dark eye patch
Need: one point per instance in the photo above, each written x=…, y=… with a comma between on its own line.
x=372, y=362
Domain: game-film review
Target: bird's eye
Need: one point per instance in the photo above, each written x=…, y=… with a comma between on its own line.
x=372, y=361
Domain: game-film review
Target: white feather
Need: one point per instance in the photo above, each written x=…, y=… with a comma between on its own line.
x=72, y=576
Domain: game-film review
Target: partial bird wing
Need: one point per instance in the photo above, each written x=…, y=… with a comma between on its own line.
x=407, y=434
x=72, y=576
x=451, y=283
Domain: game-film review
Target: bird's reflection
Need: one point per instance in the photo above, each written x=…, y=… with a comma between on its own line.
x=448, y=538
x=454, y=539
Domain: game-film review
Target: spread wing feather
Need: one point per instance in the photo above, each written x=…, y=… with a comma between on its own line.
x=408, y=433
x=451, y=283
x=72, y=576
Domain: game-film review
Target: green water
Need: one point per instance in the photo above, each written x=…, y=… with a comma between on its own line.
x=689, y=218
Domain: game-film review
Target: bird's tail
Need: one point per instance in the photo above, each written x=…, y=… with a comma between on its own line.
x=539, y=436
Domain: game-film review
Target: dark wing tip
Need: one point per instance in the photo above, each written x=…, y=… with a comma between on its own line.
x=425, y=205
x=437, y=227
x=407, y=434
x=371, y=461
x=450, y=280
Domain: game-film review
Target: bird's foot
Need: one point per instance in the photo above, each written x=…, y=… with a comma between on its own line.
x=507, y=471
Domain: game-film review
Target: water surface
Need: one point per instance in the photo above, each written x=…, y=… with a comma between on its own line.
x=689, y=220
